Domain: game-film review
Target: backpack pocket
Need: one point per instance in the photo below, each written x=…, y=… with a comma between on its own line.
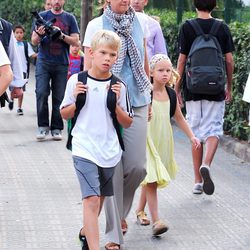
x=208, y=80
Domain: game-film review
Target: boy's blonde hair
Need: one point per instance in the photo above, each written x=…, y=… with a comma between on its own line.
x=161, y=57
x=106, y=38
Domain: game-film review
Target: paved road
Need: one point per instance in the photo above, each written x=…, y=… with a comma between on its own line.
x=40, y=205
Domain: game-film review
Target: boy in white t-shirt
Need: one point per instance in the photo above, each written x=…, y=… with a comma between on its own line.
x=25, y=51
x=6, y=74
x=95, y=145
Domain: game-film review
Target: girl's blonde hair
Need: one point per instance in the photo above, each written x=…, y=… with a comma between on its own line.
x=106, y=38
x=161, y=57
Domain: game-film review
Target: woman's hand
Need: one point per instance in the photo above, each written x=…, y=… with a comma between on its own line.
x=80, y=88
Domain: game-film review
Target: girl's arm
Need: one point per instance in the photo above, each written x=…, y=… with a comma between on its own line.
x=181, y=122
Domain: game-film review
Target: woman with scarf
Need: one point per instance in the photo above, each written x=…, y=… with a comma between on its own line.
x=132, y=68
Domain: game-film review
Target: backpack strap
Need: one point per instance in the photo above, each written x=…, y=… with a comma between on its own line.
x=195, y=25
x=26, y=52
x=111, y=105
x=80, y=101
x=173, y=100
x=215, y=27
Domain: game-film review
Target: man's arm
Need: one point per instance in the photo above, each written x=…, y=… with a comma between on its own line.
x=146, y=64
x=229, y=71
x=6, y=77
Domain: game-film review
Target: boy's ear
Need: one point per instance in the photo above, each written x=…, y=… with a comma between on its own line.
x=151, y=73
x=91, y=52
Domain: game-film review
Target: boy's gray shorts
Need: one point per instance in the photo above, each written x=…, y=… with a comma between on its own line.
x=94, y=180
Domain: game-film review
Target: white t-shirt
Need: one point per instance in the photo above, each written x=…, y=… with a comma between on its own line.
x=96, y=24
x=20, y=50
x=246, y=96
x=94, y=136
x=4, y=60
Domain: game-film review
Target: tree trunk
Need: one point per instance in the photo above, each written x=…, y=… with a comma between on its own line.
x=86, y=16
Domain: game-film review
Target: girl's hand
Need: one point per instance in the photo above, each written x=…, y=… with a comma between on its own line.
x=117, y=89
x=80, y=88
x=195, y=142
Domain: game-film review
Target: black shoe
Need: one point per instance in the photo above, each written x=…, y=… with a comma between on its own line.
x=11, y=105
x=83, y=241
x=208, y=185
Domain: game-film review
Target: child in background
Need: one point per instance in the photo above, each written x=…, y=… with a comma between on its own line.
x=75, y=60
x=25, y=51
x=95, y=145
x=161, y=165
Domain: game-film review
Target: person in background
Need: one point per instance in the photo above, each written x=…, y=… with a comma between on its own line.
x=6, y=74
x=52, y=64
x=47, y=5
x=156, y=43
x=25, y=52
x=75, y=60
x=205, y=112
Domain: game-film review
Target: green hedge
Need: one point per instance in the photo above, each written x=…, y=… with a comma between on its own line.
x=236, y=114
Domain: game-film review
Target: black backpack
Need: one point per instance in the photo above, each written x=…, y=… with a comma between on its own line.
x=205, y=71
x=111, y=105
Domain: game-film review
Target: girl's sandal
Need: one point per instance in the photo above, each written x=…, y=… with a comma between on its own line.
x=142, y=218
x=112, y=246
x=124, y=226
x=159, y=227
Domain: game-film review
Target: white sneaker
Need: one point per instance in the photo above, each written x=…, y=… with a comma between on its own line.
x=42, y=133
x=208, y=185
x=56, y=135
x=198, y=188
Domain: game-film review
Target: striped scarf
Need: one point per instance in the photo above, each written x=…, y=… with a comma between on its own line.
x=122, y=24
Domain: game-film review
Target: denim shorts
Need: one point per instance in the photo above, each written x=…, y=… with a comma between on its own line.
x=205, y=118
x=94, y=180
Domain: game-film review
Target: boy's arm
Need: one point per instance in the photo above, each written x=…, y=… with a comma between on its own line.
x=68, y=111
x=123, y=118
x=229, y=71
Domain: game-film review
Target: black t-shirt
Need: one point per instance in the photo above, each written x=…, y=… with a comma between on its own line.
x=187, y=36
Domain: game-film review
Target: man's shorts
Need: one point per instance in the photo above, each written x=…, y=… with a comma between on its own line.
x=94, y=180
x=205, y=118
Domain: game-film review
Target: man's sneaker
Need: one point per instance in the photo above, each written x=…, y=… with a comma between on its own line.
x=11, y=105
x=56, y=135
x=208, y=185
x=198, y=188
x=41, y=134
x=19, y=111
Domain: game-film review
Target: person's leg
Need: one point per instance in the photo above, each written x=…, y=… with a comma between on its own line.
x=91, y=208
x=134, y=157
x=42, y=94
x=142, y=200
x=151, y=194
x=197, y=155
x=211, y=147
x=58, y=85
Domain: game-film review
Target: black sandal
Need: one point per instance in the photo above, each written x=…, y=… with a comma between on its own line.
x=83, y=241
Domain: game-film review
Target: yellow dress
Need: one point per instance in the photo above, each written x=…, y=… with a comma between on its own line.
x=161, y=166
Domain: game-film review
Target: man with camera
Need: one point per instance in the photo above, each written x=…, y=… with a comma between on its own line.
x=54, y=30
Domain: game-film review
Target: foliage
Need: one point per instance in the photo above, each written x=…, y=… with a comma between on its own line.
x=236, y=113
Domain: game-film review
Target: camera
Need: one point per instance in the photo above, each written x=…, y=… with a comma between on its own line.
x=51, y=32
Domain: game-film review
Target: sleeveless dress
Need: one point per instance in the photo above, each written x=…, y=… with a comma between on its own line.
x=161, y=165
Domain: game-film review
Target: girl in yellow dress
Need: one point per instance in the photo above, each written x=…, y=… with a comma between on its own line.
x=161, y=165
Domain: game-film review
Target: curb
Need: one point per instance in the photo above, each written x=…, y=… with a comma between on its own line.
x=239, y=148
